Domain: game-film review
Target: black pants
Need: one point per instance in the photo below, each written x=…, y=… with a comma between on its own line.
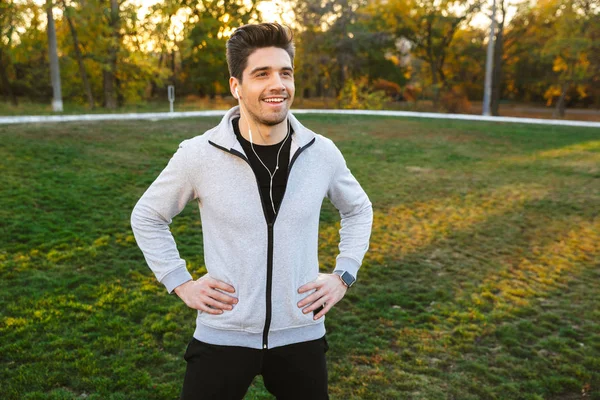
x=296, y=371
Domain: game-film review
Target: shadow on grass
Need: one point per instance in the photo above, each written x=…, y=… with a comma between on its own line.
x=422, y=316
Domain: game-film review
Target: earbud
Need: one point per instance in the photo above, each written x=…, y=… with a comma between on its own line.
x=237, y=94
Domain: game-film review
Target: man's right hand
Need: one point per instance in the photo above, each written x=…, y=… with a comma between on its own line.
x=202, y=293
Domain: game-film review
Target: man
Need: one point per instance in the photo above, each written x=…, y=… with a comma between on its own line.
x=259, y=179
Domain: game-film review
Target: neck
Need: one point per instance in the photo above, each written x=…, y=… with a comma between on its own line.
x=263, y=134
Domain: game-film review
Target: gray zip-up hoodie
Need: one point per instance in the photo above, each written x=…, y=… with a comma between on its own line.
x=265, y=263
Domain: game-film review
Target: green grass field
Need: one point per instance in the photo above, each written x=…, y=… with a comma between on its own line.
x=482, y=280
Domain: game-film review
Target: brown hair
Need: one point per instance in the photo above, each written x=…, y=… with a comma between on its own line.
x=248, y=38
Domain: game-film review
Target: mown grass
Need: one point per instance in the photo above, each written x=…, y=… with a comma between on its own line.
x=482, y=280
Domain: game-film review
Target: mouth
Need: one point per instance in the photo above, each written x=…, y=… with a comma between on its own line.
x=274, y=101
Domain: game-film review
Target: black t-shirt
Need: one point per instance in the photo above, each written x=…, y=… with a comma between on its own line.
x=268, y=155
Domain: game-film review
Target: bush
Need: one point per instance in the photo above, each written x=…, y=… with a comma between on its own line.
x=357, y=95
x=411, y=92
x=391, y=89
x=455, y=101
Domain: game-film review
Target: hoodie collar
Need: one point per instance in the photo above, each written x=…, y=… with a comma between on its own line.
x=224, y=136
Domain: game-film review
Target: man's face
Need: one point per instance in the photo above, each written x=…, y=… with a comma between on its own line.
x=267, y=88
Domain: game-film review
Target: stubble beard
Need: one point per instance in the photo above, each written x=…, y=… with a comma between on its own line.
x=275, y=120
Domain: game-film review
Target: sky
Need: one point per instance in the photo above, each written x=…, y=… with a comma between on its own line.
x=273, y=10
x=270, y=9
x=280, y=11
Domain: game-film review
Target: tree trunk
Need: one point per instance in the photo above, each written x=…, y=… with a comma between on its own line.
x=432, y=65
x=82, y=71
x=153, y=88
x=434, y=84
x=57, y=104
x=120, y=97
x=110, y=98
x=173, y=79
x=560, y=104
x=319, y=87
x=109, y=90
x=497, y=75
x=5, y=81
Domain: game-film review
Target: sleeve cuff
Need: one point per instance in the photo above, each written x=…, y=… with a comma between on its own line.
x=347, y=264
x=175, y=278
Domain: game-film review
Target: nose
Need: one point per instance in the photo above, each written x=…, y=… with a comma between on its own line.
x=277, y=84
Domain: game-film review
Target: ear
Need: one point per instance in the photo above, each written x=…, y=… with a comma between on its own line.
x=233, y=86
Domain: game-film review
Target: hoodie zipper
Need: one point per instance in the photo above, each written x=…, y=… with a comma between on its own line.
x=265, y=342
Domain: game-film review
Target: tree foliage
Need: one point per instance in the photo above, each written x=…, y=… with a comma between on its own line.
x=551, y=52
x=110, y=54
x=430, y=26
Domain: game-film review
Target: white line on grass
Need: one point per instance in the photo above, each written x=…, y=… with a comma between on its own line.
x=217, y=113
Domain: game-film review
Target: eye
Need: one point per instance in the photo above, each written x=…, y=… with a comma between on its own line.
x=261, y=74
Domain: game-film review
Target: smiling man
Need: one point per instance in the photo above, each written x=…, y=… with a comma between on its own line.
x=259, y=179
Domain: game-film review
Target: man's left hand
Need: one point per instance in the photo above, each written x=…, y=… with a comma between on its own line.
x=330, y=290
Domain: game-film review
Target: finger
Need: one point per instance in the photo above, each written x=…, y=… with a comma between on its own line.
x=215, y=294
x=316, y=304
x=310, y=298
x=308, y=286
x=222, y=285
x=205, y=308
x=323, y=311
x=217, y=304
x=328, y=306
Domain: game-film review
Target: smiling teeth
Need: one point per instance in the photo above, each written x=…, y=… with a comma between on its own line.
x=273, y=100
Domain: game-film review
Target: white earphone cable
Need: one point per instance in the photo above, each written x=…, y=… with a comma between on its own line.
x=271, y=175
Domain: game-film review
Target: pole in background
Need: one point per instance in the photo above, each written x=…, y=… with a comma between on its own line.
x=171, y=95
x=489, y=64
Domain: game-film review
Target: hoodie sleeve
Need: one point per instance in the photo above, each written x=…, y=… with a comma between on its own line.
x=165, y=198
x=356, y=214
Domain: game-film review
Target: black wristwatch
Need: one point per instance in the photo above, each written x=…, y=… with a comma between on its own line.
x=347, y=277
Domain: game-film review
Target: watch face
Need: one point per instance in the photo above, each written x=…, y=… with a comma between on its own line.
x=348, y=278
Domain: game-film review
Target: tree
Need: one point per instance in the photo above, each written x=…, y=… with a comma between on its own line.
x=465, y=64
x=551, y=52
x=9, y=14
x=430, y=25
x=110, y=67
x=569, y=48
x=57, y=105
x=498, y=59
x=195, y=49
x=341, y=41
x=68, y=11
